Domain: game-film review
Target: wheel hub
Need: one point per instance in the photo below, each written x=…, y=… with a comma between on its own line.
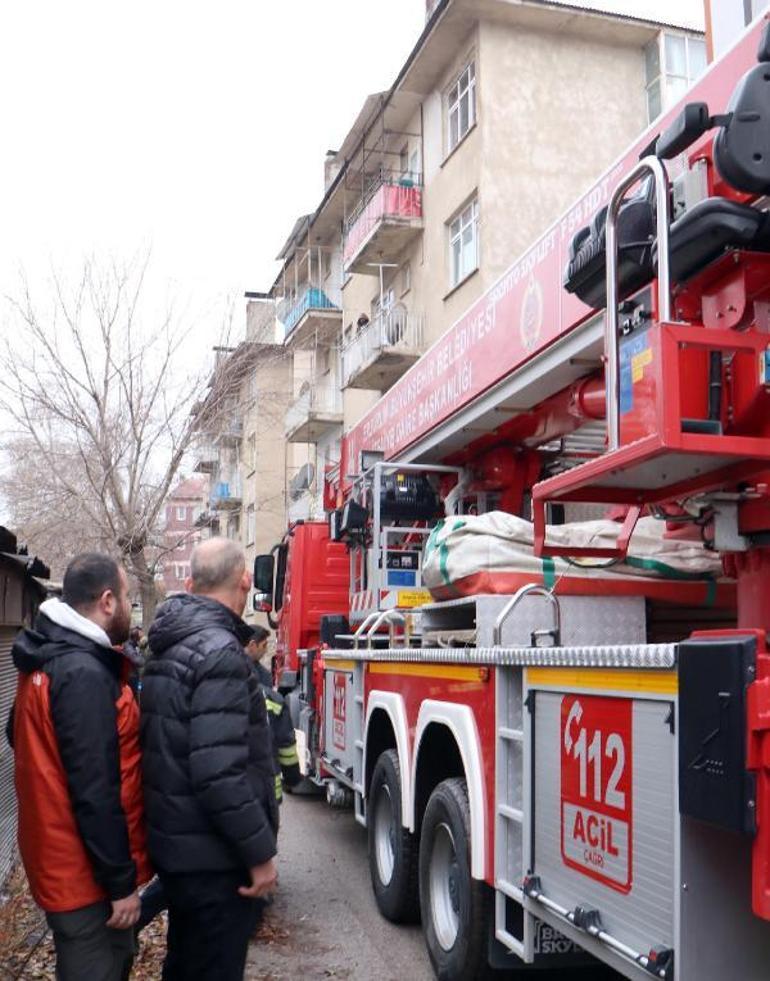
x=445, y=887
x=384, y=835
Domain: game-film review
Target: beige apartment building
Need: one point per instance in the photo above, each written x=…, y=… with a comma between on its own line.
x=502, y=114
x=241, y=443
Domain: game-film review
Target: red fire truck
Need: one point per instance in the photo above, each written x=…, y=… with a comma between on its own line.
x=541, y=674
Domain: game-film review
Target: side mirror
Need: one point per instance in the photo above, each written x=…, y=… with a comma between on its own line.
x=264, y=573
x=263, y=603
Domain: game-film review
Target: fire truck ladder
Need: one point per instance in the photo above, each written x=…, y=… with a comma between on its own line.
x=681, y=458
x=511, y=760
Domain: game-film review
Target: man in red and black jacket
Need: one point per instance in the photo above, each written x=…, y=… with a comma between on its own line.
x=75, y=735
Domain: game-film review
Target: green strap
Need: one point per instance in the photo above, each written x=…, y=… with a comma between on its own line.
x=443, y=553
x=549, y=573
x=668, y=571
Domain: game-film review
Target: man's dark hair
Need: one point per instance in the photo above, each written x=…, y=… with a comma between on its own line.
x=258, y=634
x=86, y=578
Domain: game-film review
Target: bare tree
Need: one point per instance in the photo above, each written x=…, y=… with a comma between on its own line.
x=100, y=398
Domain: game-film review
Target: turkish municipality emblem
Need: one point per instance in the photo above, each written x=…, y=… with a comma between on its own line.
x=531, y=318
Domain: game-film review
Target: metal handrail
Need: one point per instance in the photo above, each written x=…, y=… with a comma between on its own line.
x=533, y=589
x=363, y=625
x=386, y=616
x=654, y=166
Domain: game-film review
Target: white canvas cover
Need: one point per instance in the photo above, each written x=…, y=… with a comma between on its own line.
x=498, y=542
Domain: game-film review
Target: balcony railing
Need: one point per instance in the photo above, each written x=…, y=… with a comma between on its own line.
x=394, y=207
x=383, y=350
x=315, y=410
x=291, y=310
x=229, y=430
x=206, y=457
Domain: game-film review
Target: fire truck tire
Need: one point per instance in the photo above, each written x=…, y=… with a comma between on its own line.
x=392, y=849
x=455, y=907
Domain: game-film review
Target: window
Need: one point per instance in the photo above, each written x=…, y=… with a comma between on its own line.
x=181, y=546
x=251, y=452
x=461, y=106
x=181, y=514
x=672, y=62
x=251, y=525
x=403, y=160
x=181, y=570
x=383, y=305
x=464, y=243
x=326, y=263
x=406, y=277
x=414, y=167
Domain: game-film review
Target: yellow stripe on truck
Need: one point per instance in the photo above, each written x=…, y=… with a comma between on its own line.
x=605, y=679
x=451, y=672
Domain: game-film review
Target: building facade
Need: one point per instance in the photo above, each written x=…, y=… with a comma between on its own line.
x=182, y=530
x=501, y=116
x=726, y=20
x=241, y=444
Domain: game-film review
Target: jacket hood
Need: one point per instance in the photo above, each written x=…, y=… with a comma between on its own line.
x=58, y=630
x=187, y=614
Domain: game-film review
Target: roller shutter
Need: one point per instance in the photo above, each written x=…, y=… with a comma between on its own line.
x=7, y=792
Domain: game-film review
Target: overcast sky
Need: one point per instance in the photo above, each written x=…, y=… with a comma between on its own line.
x=199, y=129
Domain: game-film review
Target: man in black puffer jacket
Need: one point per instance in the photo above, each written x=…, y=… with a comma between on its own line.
x=208, y=770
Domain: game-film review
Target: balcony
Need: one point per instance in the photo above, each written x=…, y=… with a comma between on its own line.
x=380, y=354
x=314, y=314
x=205, y=458
x=225, y=494
x=229, y=430
x=312, y=414
x=385, y=222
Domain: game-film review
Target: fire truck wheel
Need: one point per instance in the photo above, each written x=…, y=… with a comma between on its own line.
x=455, y=907
x=392, y=849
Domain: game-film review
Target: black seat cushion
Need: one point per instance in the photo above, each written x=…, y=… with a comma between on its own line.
x=704, y=232
x=585, y=275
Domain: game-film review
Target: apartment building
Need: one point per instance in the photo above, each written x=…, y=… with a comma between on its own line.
x=726, y=20
x=502, y=114
x=241, y=443
x=182, y=530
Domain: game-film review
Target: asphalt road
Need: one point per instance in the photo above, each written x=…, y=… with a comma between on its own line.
x=324, y=922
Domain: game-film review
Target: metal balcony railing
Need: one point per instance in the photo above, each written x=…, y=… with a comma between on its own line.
x=291, y=309
x=312, y=403
x=206, y=457
x=396, y=330
x=390, y=196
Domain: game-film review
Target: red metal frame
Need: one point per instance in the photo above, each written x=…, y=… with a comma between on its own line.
x=587, y=482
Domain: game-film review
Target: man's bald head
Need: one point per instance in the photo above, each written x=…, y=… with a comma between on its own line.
x=217, y=565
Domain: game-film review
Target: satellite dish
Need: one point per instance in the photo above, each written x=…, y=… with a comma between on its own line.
x=301, y=481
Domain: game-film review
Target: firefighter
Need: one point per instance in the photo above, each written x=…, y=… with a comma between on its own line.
x=285, y=755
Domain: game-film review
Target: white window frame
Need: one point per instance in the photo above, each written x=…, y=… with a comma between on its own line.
x=665, y=77
x=466, y=218
x=251, y=524
x=463, y=86
x=181, y=513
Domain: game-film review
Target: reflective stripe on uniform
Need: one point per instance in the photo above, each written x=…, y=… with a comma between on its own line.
x=288, y=755
x=275, y=707
x=278, y=787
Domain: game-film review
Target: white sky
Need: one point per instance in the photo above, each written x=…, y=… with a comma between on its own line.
x=199, y=129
